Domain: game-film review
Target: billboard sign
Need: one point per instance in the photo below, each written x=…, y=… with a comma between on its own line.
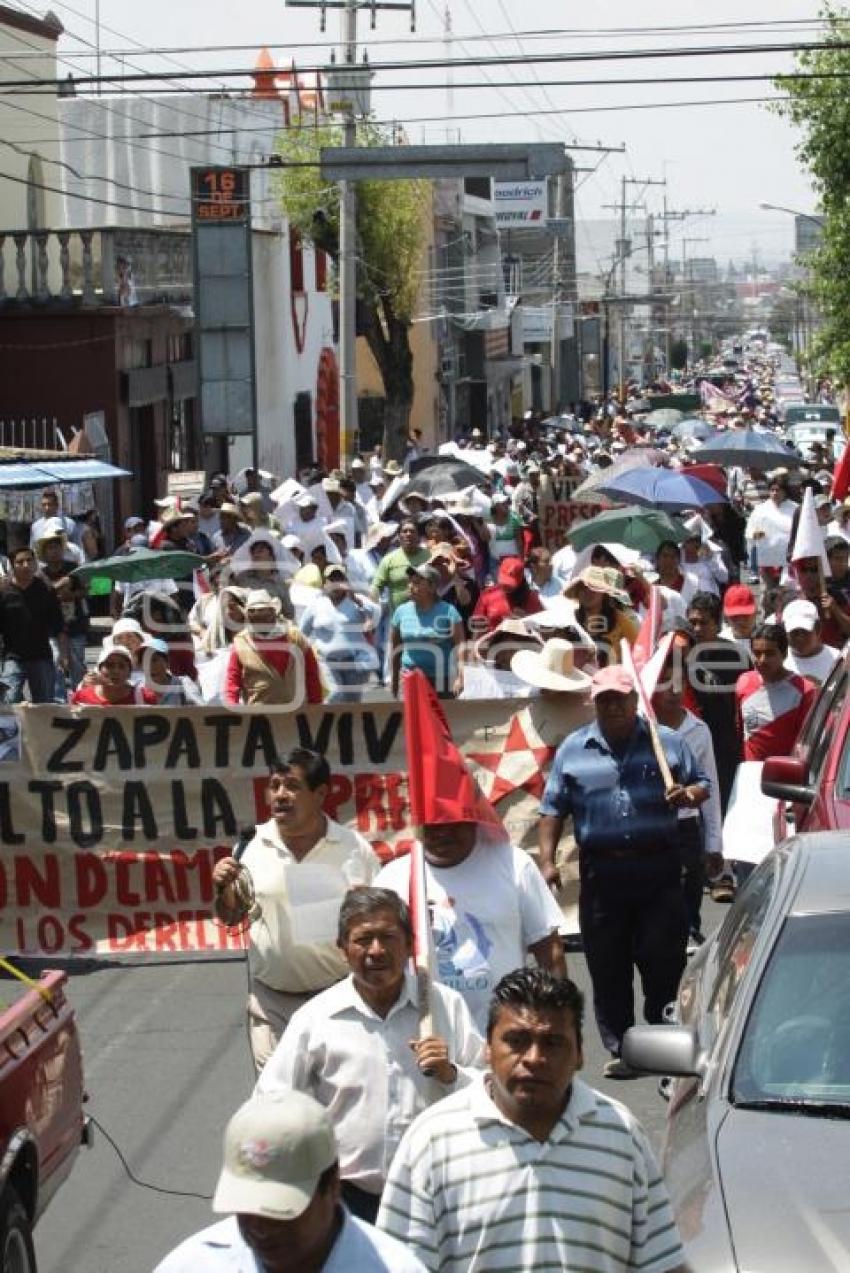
x=520, y=203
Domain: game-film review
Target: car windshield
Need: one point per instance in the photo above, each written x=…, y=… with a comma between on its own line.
x=795, y=1051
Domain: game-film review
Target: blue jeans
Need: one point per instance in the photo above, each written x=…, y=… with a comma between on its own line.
x=38, y=674
x=77, y=669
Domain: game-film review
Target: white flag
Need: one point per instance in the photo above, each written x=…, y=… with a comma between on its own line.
x=809, y=540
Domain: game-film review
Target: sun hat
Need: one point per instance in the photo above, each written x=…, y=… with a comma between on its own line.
x=171, y=516
x=133, y=521
x=430, y=573
x=612, y=680
x=261, y=599
x=378, y=532
x=156, y=645
x=500, y=497
x=227, y=507
x=330, y=485
x=110, y=648
x=550, y=668
x=335, y=568
x=392, y=468
x=800, y=614
x=377, y=479
x=306, y=500
x=276, y=1148
x=516, y=629
x=738, y=600
x=600, y=579
x=54, y=528
x=122, y=626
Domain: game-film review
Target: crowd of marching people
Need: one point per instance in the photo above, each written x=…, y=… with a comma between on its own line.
x=380, y=1136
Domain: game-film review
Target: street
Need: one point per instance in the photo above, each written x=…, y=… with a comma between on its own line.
x=167, y=1062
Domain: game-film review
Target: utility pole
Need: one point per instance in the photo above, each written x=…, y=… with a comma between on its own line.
x=691, y=293
x=356, y=80
x=623, y=252
x=668, y=215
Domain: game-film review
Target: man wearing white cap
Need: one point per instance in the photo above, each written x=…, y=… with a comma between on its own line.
x=307, y=523
x=280, y=1189
x=631, y=903
x=807, y=655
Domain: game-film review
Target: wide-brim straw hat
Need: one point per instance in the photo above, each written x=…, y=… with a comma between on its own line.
x=600, y=579
x=551, y=668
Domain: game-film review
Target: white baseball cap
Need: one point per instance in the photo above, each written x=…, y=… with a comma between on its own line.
x=800, y=614
x=276, y=1147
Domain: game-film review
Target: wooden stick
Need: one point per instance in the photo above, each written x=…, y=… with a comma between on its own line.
x=657, y=745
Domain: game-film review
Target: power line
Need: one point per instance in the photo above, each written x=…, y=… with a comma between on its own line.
x=608, y=55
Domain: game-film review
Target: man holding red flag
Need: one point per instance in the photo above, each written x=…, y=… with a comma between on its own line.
x=489, y=905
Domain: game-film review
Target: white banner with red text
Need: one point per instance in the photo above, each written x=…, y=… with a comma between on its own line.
x=111, y=820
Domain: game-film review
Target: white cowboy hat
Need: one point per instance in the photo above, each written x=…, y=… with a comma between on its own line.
x=552, y=668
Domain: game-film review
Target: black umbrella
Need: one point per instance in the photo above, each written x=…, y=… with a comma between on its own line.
x=435, y=475
x=749, y=450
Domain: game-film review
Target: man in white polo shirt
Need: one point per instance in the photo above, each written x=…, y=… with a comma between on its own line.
x=301, y=864
x=528, y=1167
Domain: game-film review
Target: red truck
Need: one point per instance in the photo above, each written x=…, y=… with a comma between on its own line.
x=41, y=1110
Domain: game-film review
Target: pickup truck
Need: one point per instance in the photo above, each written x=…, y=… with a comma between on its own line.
x=41, y=1109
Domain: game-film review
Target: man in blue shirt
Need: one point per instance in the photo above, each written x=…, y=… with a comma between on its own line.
x=631, y=904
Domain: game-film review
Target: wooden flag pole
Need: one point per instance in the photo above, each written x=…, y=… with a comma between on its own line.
x=649, y=715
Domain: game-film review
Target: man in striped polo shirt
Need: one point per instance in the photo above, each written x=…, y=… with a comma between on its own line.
x=528, y=1167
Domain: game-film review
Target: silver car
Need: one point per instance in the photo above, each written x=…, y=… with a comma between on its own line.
x=757, y=1147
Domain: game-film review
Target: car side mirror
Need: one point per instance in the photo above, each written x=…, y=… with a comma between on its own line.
x=787, y=778
x=664, y=1049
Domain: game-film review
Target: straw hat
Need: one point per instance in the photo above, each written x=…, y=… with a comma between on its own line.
x=600, y=579
x=551, y=668
x=508, y=630
x=378, y=532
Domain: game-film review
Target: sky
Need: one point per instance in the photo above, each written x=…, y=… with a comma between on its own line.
x=729, y=157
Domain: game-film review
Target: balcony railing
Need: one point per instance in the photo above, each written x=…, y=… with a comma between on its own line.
x=91, y=267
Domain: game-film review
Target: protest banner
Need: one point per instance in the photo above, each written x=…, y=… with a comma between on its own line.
x=111, y=820
x=557, y=511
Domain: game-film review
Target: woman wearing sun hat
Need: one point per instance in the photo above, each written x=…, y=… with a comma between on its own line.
x=604, y=610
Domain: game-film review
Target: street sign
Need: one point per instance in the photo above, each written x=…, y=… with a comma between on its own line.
x=221, y=194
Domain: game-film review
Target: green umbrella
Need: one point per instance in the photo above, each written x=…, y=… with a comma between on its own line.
x=140, y=564
x=634, y=527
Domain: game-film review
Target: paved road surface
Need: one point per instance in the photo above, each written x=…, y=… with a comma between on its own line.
x=166, y=1063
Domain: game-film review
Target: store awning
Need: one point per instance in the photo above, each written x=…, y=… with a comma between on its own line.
x=19, y=475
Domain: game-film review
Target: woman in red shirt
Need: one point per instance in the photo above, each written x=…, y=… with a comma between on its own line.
x=111, y=686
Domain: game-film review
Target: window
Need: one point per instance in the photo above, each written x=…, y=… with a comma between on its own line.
x=737, y=942
x=296, y=260
x=796, y=1045
x=321, y=270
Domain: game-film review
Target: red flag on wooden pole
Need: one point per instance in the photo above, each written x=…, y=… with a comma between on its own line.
x=841, y=476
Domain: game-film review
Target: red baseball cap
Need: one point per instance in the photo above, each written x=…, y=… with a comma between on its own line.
x=738, y=600
x=511, y=572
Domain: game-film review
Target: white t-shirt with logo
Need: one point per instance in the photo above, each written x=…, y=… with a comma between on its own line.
x=486, y=912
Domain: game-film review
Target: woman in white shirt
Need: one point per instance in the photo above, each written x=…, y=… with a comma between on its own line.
x=769, y=528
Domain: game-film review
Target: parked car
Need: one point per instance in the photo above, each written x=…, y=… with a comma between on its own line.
x=812, y=785
x=758, y=1131
x=41, y=1111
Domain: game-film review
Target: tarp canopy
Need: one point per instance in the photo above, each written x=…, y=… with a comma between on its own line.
x=19, y=474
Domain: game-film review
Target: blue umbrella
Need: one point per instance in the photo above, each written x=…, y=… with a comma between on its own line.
x=693, y=428
x=661, y=488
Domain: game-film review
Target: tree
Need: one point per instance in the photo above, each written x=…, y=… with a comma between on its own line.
x=390, y=234
x=820, y=108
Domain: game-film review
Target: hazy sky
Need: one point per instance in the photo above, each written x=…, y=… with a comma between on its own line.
x=731, y=157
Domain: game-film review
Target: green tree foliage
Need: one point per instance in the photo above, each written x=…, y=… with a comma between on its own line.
x=390, y=235
x=818, y=104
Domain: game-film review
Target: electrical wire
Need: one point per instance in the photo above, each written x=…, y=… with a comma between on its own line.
x=478, y=63
x=548, y=33
x=144, y=1184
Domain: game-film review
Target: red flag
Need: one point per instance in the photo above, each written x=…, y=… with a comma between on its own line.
x=647, y=637
x=441, y=788
x=841, y=477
